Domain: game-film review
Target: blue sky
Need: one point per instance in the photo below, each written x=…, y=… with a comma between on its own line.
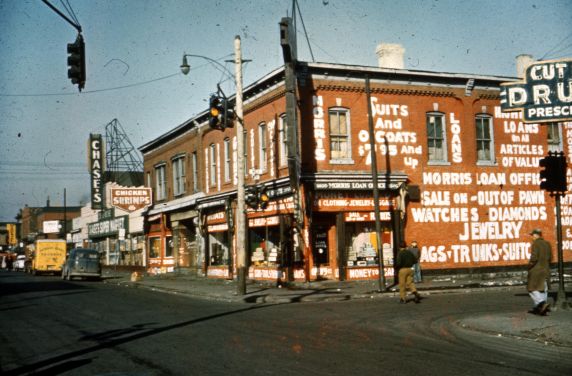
x=134, y=49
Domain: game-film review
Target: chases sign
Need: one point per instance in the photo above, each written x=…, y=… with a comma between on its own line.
x=96, y=159
x=545, y=95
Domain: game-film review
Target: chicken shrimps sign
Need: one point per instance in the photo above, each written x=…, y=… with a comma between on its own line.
x=131, y=198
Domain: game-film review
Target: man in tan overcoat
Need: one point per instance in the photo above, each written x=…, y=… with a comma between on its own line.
x=539, y=272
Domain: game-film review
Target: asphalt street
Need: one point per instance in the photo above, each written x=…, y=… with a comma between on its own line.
x=50, y=326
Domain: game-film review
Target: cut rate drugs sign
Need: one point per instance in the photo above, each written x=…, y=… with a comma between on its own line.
x=545, y=95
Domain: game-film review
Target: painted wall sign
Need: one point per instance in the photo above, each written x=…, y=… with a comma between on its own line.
x=96, y=168
x=131, y=199
x=545, y=95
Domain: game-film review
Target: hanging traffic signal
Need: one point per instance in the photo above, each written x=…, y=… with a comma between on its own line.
x=553, y=174
x=263, y=198
x=216, y=110
x=228, y=115
x=76, y=62
x=251, y=197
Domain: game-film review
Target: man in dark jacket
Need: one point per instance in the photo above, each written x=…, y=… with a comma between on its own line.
x=539, y=272
x=404, y=261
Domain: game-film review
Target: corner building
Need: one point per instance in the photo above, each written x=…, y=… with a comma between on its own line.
x=454, y=173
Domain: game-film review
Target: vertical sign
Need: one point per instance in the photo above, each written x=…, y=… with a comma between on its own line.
x=96, y=156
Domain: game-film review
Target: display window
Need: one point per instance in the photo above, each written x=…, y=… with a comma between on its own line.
x=154, y=247
x=361, y=243
x=264, y=246
x=218, y=248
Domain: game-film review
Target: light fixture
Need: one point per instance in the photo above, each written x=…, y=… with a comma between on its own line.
x=185, y=67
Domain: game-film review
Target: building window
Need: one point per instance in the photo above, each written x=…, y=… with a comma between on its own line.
x=485, y=144
x=282, y=140
x=212, y=164
x=195, y=165
x=339, y=134
x=160, y=183
x=263, y=147
x=179, y=176
x=227, y=160
x=154, y=247
x=169, y=246
x=554, y=137
x=149, y=180
x=436, y=145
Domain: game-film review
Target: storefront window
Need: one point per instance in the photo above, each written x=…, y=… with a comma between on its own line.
x=361, y=244
x=154, y=247
x=169, y=246
x=264, y=246
x=218, y=247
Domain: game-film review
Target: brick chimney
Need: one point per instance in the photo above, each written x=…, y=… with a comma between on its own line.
x=522, y=62
x=390, y=55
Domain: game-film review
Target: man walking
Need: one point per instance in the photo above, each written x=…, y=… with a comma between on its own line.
x=539, y=272
x=417, y=266
x=404, y=261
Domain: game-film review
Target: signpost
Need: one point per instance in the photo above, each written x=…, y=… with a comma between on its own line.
x=545, y=96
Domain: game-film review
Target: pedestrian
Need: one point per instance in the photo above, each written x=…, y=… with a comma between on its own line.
x=417, y=266
x=539, y=273
x=404, y=261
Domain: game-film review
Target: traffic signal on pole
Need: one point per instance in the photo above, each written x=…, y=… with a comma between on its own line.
x=216, y=111
x=263, y=198
x=76, y=62
x=221, y=114
x=553, y=172
x=251, y=197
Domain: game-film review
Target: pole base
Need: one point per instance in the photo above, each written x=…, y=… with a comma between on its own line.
x=241, y=280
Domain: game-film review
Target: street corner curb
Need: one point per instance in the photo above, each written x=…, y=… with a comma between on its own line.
x=546, y=335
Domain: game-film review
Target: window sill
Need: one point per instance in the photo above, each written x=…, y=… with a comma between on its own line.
x=344, y=161
x=487, y=164
x=438, y=163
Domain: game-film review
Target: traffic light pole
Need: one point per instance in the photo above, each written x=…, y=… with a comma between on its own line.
x=240, y=207
x=561, y=302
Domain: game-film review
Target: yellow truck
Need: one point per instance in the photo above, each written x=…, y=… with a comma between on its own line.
x=48, y=257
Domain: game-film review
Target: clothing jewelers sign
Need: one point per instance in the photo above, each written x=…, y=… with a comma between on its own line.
x=545, y=95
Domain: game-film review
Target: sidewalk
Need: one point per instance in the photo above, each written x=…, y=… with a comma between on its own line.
x=554, y=329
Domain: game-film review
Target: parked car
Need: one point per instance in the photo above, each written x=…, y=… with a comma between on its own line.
x=20, y=263
x=83, y=263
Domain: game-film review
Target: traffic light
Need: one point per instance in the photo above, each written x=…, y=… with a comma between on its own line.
x=221, y=114
x=553, y=174
x=263, y=198
x=76, y=62
x=257, y=197
x=216, y=111
x=251, y=197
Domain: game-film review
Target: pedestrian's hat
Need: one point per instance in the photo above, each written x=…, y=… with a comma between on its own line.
x=536, y=231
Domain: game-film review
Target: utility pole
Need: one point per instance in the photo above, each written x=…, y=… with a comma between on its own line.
x=373, y=154
x=240, y=208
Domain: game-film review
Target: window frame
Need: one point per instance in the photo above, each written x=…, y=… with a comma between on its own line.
x=160, y=170
x=282, y=141
x=178, y=164
x=227, y=160
x=195, y=165
x=347, y=158
x=491, y=161
x=445, y=157
x=552, y=145
x=262, y=147
x=212, y=165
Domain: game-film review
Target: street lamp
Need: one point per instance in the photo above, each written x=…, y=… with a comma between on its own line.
x=240, y=207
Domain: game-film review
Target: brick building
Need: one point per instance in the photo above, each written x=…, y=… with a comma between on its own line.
x=454, y=173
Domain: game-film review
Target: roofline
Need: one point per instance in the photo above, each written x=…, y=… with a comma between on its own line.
x=327, y=69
